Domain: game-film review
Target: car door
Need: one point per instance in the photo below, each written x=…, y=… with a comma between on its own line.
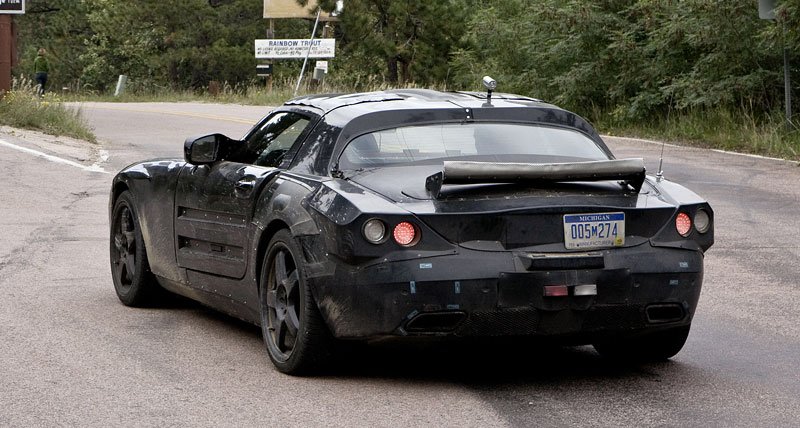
x=214, y=203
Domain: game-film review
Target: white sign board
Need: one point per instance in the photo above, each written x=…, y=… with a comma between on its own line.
x=322, y=65
x=12, y=6
x=766, y=9
x=295, y=48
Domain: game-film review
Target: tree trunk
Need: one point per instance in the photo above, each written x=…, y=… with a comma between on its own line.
x=392, y=71
x=405, y=72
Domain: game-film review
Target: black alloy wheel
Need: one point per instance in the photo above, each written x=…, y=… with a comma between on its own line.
x=283, y=302
x=296, y=337
x=133, y=282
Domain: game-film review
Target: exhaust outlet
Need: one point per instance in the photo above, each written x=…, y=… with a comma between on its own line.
x=664, y=312
x=436, y=321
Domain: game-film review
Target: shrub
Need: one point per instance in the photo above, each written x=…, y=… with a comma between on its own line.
x=22, y=107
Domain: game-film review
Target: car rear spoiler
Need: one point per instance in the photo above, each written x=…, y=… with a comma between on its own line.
x=631, y=171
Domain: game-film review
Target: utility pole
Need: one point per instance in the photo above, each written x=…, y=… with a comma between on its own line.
x=7, y=53
x=8, y=43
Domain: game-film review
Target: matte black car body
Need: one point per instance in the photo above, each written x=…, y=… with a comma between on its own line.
x=485, y=255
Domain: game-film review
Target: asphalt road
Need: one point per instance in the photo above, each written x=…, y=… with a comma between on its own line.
x=71, y=354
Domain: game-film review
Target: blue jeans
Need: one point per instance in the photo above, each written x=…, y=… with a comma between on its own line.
x=41, y=79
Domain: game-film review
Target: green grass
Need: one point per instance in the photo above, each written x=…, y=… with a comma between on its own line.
x=281, y=91
x=252, y=96
x=738, y=131
x=23, y=108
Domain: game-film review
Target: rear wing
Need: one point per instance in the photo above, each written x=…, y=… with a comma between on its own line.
x=630, y=171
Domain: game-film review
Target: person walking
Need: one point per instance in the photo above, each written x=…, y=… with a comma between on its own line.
x=40, y=68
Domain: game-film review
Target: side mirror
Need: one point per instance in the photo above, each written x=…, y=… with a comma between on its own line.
x=206, y=149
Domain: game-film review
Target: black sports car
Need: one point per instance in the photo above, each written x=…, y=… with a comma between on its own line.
x=416, y=212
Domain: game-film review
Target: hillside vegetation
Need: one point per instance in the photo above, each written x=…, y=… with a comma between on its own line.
x=702, y=71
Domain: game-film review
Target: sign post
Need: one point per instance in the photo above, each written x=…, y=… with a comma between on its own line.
x=308, y=53
x=787, y=84
x=766, y=10
x=8, y=46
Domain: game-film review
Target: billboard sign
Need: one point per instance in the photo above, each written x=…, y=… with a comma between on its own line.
x=12, y=6
x=276, y=9
x=295, y=48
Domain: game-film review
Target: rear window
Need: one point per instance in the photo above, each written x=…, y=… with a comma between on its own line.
x=498, y=142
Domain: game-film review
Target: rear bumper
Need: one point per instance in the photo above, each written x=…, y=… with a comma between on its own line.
x=475, y=293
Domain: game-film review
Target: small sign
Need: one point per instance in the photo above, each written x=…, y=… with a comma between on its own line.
x=294, y=48
x=322, y=65
x=12, y=6
x=263, y=70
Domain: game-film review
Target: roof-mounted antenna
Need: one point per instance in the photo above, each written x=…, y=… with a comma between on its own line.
x=490, y=85
x=660, y=173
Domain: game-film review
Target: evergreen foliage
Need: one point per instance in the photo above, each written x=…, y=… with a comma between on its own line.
x=624, y=60
x=158, y=44
x=399, y=41
x=632, y=58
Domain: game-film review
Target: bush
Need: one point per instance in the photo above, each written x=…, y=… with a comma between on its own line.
x=22, y=107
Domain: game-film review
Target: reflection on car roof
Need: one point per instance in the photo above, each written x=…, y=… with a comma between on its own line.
x=328, y=102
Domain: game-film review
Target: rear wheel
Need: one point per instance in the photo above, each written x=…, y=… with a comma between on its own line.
x=134, y=283
x=658, y=346
x=297, y=339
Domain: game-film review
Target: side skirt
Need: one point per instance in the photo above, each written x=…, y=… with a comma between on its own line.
x=214, y=301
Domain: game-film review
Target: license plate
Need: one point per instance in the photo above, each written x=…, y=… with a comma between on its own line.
x=594, y=230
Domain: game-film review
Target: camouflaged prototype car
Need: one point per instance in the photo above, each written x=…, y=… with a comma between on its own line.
x=415, y=212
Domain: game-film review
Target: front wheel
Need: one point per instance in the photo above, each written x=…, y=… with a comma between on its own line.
x=134, y=283
x=658, y=346
x=297, y=339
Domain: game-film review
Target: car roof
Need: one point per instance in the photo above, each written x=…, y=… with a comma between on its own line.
x=400, y=99
x=346, y=116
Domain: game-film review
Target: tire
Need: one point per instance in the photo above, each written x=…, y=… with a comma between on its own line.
x=659, y=346
x=297, y=340
x=134, y=283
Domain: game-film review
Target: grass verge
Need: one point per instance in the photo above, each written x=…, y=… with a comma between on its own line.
x=737, y=131
x=224, y=93
x=251, y=96
x=22, y=108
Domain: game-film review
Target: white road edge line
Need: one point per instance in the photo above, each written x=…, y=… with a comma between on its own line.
x=93, y=168
x=727, y=152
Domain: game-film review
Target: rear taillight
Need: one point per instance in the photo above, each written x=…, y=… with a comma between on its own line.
x=406, y=234
x=374, y=231
x=702, y=221
x=683, y=224
x=556, y=291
